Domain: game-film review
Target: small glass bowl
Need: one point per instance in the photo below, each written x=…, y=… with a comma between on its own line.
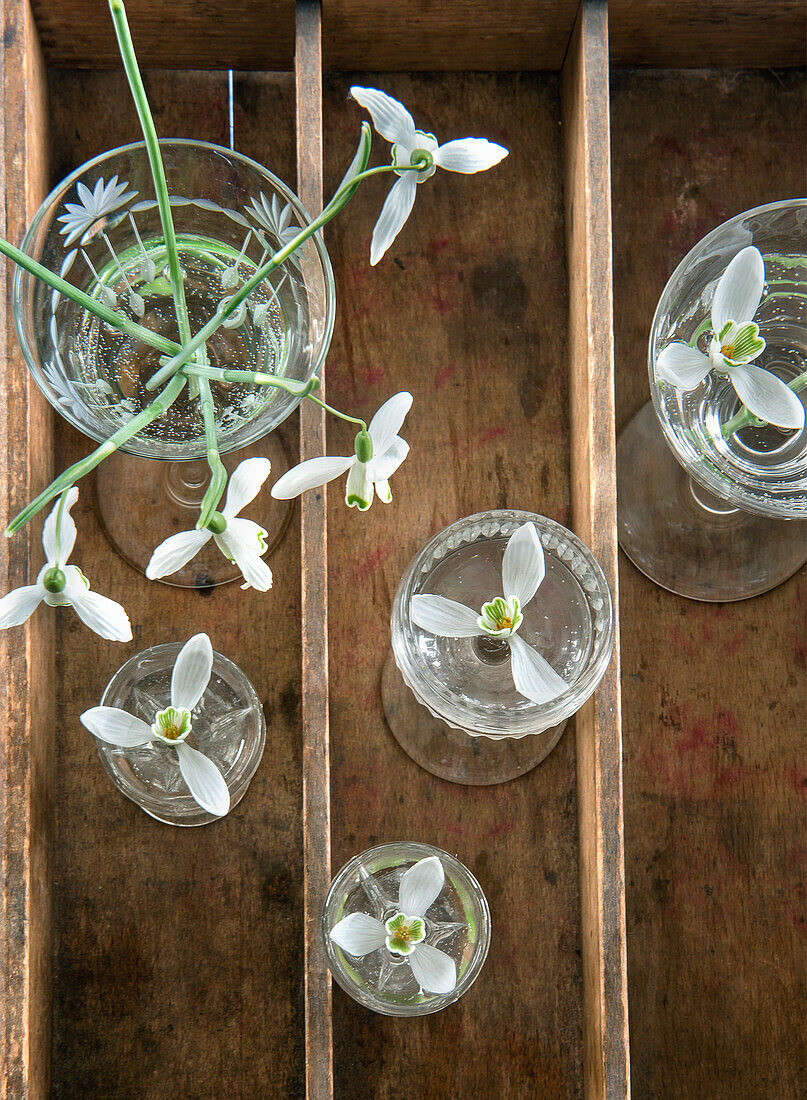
x=458, y=922
x=228, y=727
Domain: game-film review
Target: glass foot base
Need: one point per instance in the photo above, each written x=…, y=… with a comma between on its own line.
x=685, y=539
x=451, y=754
x=140, y=502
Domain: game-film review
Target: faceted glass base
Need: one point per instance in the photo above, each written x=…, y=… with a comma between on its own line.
x=139, y=503
x=457, y=923
x=450, y=753
x=687, y=540
x=228, y=727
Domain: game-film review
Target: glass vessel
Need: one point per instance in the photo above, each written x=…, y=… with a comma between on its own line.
x=451, y=703
x=457, y=923
x=100, y=230
x=228, y=727
x=708, y=516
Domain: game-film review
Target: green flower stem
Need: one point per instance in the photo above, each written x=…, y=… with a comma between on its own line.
x=73, y=473
x=743, y=418
x=335, y=412
x=257, y=378
x=59, y=514
x=218, y=474
x=127, y=53
x=92, y=305
x=206, y=331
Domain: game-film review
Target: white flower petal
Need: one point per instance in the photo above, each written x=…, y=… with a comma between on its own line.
x=533, y=675
x=309, y=475
x=359, y=934
x=767, y=396
x=739, y=290
x=683, y=366
x=245, y=484
x=383, y=467
x=445, y=618
x=359, y=488
x=434, y=970
x=523, y=565
x=387, y=422
x=117, y=727
x=176, y=551
x=390, y=118
x=106, y=617
x=19, y=605
x=469, y=155
x=205, y=781
x=244, y=542
x=420, y=886
x=383, y=491
x=394, y=212
x=59, y=554
x=191, y=673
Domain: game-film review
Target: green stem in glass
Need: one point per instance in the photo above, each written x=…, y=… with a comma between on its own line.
x=743, y=418
x=218, y=474
x=257, y=378
x=73, y=473
x=141, y=102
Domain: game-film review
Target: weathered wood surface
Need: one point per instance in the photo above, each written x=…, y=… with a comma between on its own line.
x=314, y=623
x=713, y=695
x=26, y=654
x=593, y=491
x=469, y=311
x=178, y=953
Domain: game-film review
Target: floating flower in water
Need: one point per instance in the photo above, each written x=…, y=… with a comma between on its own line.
x=240, y=540
x=523, y=570
x=379, y=452
x=104, y=199
x=411, y=147
x=404, y=933
x=171, y=726
x=63, y=585
x=734, y=345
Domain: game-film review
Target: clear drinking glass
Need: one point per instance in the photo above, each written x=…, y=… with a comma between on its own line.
x=451, y=703
x=228, y=727
x=100, y=230
x=705, y=516
x=458, y=923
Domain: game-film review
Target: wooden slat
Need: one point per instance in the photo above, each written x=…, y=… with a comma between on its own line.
x=316, y=763
x=26, y=653
x=593, y=463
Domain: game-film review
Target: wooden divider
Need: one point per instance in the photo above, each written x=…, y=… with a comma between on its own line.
x=593, y=482
x=314, y=555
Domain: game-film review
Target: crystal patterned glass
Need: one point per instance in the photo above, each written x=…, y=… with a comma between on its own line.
x=100, y=230
x=457, y=923
x=228, y=727
x=451, y=703
x=707, y=513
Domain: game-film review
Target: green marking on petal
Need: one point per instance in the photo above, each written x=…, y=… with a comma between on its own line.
x=501, y=617
x=172, y=724
x=403, y=933
x=396, y=923
x=417, y=931
x=743, y=343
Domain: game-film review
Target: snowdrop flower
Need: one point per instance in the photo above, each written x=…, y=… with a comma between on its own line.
x=379, y=452
x=104, y=199
x=414, y=147
x=735, y=344
x=240, y=540
x=523, y=570
x=171, y=726
x=404, y=933
x=63, y=585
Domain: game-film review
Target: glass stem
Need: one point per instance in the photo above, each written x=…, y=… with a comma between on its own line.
x=75, y=472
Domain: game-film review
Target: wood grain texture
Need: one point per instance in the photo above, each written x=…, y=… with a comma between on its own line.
x=469, y=311
x=26, y=653
x=593, y=489
x=178, y=952
x=314, y=551
x=713, y=695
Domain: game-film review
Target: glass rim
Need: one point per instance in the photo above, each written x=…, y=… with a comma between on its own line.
x=209, y=146
x=542, y=716
x=736, y=493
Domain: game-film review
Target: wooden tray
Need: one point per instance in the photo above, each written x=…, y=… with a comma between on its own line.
x=145, y=962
